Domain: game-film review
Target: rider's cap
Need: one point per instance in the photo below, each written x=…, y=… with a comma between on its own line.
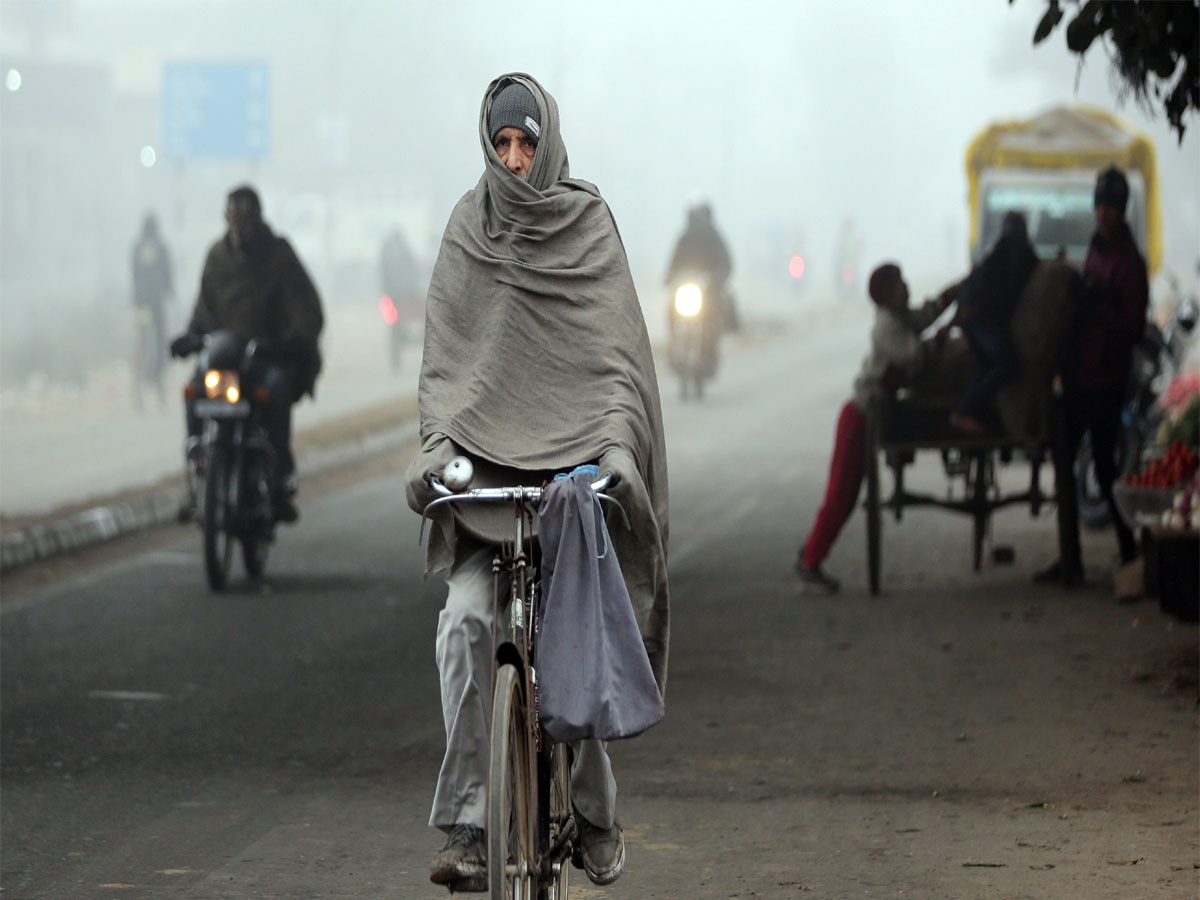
x=1112, y=189
x=514, y=107
x=883, y=281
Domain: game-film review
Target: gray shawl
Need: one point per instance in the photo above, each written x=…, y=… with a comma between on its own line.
x=537, y=359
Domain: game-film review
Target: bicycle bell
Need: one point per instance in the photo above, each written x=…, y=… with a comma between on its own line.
x=458, y=474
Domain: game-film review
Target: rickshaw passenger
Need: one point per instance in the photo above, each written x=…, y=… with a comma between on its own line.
x=986, y=300
x=897, y=353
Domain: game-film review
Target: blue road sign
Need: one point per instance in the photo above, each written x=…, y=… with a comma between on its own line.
x=213, y=110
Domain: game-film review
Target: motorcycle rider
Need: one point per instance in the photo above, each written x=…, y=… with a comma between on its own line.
x=153, y=286
x=1094, y=371
x=254, y=285
x=701, y=251
x=398, y=279
x=536, y=359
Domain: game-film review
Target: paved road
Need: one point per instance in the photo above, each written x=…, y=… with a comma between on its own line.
x=60, y=448
x=962, y=735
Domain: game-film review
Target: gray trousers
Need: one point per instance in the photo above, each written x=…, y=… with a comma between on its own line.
x=464, y=658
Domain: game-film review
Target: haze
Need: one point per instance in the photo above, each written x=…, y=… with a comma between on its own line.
x=789, y=117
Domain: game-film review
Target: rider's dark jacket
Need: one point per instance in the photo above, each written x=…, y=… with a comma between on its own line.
x=700, y=249
x=263, y=292
x=1113, y=315
x=151, y=272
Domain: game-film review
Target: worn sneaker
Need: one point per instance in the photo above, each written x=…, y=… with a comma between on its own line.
x=188, y=511
x=601, y=851
x=462, y=864
x=283, y=507
x=813, y=580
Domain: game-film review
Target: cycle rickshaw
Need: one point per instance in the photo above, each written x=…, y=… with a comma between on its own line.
x=899, y=428
x=916, y=420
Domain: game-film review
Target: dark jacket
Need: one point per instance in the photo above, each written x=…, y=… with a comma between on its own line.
x=991, y=291
x=263, y=293
x=1112, y=317
x=397, y=268
x=700, y=249
x=151, y=272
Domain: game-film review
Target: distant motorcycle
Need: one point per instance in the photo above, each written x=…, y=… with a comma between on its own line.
x=149, y=357
x=403, y=319
x=1156, y=360
x=696, y=320
x=230, y=470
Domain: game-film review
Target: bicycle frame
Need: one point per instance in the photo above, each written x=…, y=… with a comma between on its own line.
x=551, y=825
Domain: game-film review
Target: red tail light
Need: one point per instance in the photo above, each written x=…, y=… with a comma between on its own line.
x=387, y=309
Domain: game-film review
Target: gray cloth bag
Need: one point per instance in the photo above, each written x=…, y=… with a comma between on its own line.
x=594, y=675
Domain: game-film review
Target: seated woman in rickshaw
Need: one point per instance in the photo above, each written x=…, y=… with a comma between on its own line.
x=986, y=299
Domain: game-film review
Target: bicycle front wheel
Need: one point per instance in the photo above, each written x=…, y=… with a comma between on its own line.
x=559, y=843
x=220, y=492
x=511, y=801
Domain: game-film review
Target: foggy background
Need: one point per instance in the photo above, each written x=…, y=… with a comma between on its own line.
x=789, y=117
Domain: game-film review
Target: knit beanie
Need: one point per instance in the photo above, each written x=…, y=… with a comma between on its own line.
x=1112, y=189
x=515, y=107
x=883, y=282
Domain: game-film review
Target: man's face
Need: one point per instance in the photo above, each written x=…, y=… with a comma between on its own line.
x=515, y=149
x=1108, y=219
x=243, y=220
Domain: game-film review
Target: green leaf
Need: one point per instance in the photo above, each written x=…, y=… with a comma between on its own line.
x=1051, y=19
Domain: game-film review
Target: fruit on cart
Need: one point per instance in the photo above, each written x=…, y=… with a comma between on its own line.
x=1178, y=464
x=1184, y=512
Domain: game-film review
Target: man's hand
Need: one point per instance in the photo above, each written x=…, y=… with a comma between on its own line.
x=186, y=344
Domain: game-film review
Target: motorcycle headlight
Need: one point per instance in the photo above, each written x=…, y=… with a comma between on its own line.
x=688, y=299
x=222, y=384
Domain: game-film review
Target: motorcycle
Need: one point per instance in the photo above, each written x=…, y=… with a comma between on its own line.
x=231, y=467
x=1156, y=360
x=694, y=330
x=403, y=318
x=149, y=357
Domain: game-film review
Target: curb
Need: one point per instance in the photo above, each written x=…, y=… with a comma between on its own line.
x=105, y=523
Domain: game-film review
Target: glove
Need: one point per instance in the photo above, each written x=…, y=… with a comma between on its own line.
x=186, y=344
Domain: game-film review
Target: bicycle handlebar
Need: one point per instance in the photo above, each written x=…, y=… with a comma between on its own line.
x=528, y=494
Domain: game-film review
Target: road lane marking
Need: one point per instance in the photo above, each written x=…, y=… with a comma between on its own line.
x=126, y=695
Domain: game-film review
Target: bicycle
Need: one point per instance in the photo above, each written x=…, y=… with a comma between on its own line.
x=531, y=826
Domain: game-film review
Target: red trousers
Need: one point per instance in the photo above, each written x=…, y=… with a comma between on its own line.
x=841, y=491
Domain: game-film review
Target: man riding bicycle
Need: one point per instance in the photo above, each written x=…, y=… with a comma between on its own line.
x=536, y=359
